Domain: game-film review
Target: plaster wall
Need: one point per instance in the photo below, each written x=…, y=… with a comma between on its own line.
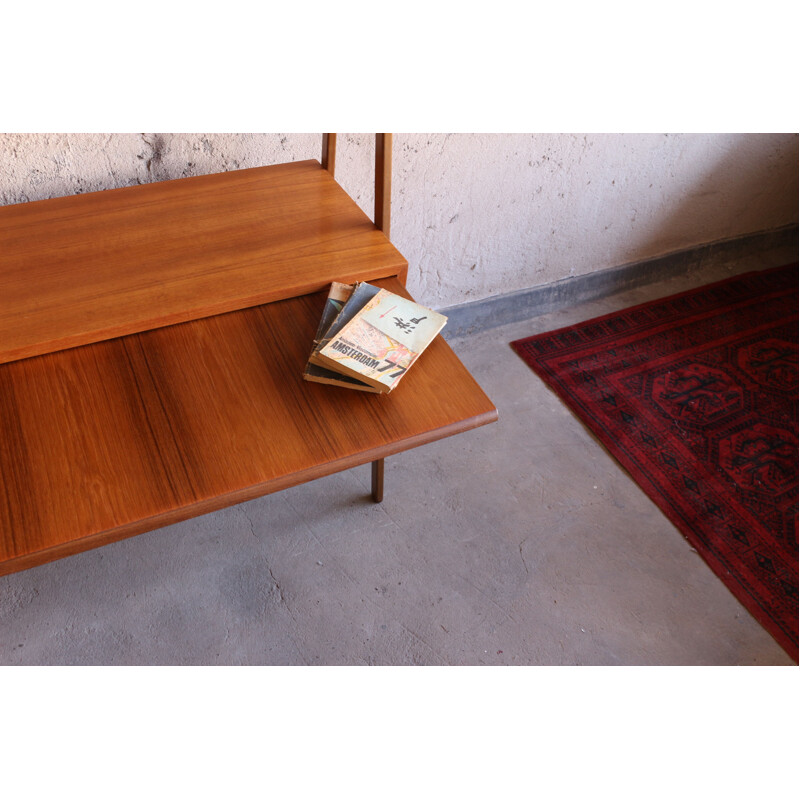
x=476, y=215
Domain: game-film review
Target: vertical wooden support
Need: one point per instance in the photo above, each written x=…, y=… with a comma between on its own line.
x=383, y=181
x=329, y=152
x=377, y=480
x=383, y=201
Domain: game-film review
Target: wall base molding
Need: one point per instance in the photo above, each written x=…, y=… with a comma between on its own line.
x=467, y=318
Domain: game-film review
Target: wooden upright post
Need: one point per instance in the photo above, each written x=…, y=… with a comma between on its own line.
x=383, y=181
x=383, y=204
x=329, y=152
x=377, y=480
x=383, y=201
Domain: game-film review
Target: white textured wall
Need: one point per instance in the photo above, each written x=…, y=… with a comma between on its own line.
x=475, y=214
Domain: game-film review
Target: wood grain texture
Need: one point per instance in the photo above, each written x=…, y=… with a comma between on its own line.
x=80, y=269
x=111, y=439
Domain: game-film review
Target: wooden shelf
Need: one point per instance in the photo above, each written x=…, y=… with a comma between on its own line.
x=81, y=269
x=152, y=345
x=114, y=438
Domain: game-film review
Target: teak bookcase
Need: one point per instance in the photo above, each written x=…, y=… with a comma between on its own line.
x=152, y=345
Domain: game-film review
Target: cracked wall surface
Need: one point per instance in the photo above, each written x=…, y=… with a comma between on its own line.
x=475, y=214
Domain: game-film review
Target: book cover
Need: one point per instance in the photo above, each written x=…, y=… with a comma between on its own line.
x=338, y=294
x=381, y=341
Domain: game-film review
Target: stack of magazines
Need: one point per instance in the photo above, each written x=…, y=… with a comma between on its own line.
x=368, y=338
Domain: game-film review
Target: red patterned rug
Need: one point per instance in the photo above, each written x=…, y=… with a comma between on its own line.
x=696, y=396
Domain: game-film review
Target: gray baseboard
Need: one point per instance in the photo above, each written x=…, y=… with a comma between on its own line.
x=502, y=309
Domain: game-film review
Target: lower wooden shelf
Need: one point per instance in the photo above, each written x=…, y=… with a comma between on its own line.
x=111, y=439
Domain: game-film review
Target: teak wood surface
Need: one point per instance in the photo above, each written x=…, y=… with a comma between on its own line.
x=80, y=269
x=111, y=439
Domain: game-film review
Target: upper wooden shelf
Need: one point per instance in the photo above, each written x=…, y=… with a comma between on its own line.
x=82, y=269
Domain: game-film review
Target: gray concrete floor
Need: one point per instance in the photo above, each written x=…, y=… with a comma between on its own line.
x=519, y=543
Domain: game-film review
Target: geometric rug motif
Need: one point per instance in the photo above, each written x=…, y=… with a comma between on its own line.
x=696, y=396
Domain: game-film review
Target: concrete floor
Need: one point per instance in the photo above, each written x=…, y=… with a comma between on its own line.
x=521, y=542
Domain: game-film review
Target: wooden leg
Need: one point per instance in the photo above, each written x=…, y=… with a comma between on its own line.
x=377, y=480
